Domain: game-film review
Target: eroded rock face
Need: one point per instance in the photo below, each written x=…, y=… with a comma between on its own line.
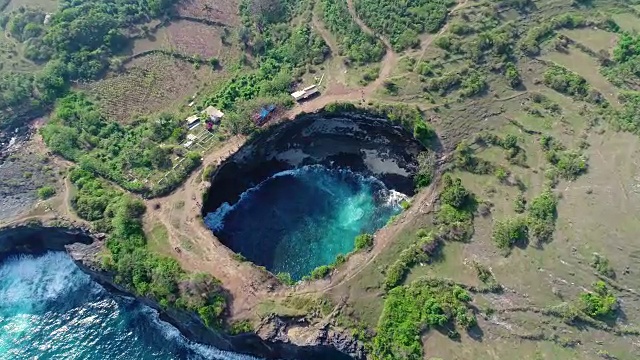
x=367, y=145
x=35, y=239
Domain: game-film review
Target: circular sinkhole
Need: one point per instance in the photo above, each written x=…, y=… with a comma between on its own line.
x=296, y=198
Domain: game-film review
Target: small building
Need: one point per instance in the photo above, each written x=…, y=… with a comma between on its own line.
x=213, y=114
x=305, y=93
x=193, y=121
x=191, y=137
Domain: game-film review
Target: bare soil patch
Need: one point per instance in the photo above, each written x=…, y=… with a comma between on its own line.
x=194, y=38
x=222, y=11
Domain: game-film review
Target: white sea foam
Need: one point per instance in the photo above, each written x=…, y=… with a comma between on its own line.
x=29, y=280
x=200, y=351
x=215, y=220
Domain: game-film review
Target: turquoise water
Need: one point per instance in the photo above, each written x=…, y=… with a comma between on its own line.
x=300, y=219
x=49, y=309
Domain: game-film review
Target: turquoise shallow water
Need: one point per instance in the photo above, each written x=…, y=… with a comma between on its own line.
x=300, y=219
x=49, y=309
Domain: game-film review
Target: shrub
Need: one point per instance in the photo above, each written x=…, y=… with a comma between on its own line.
x=411, y=309
x=321, y=272
x=363, y=241
x=542, y=215
x=508, y=232
x=426, y=168
x=600, y=303
x=601, y=264
x=520, y=203
x=285, y=278
x=46, y=192
x=454, y=193
x=424, y=133
x=240, y=327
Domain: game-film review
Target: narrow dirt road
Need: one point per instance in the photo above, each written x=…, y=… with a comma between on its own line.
x=429, y=40
x=388, y=63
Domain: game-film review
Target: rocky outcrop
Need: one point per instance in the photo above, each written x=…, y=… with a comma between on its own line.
x=34, y=238
x=299, y=331
x=282, y=341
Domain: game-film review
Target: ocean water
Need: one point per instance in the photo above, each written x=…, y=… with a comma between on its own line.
x=300, y=219
x=49, y=309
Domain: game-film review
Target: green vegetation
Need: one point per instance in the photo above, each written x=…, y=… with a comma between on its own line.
x=572, y=84
x=321, y=272
x=453, y=221
x=285, y=278
x=411, y=309
x=126, y=155
x=567, y=164
x=600, y=303
x=539, y=223
x=46, y=192
x=77, y=44
x=363, y=242
x=425, y=248
x=601, y=265
x=240, y=327
x=426, y=169
x=424, y=133
x=541, y=217
x=136, y=268
x=358, y=46
x=508, y=232
x=403, y=22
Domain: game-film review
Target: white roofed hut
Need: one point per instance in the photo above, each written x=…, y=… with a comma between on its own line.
x=213, y=113
x=305, y=93
x=193, y=121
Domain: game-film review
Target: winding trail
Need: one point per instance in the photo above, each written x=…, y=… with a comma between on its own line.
x=429, y=40
x=333, y=94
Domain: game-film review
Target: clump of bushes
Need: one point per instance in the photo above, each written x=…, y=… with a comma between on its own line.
x=567, y=82
x=508, y=232
x=363, y=241
x=46, y=192
x=426, y=169
x=420, y=251
x=600, y=303
x=601, y=265
x=285, y=278
x=568, y=164
x=541, y=217
x=411, y=309
x=321, y=272
x=539, y=223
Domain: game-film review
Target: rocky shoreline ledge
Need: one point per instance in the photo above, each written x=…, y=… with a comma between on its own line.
x=273, y=340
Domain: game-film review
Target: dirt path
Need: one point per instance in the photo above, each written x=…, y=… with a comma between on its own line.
x=429, y=40
x=388, y=63
x=196, y=248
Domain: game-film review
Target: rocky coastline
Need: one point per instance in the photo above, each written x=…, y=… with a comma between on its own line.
x=272, y=340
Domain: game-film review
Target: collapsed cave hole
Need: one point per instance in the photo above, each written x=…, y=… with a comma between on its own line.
x=295, y=197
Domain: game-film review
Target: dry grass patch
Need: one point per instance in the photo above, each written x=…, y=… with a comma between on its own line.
x=225, y=12
x=194, y=38
x=627, y=21
x=149, y=84
x=594, y=39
